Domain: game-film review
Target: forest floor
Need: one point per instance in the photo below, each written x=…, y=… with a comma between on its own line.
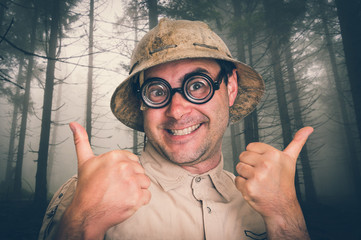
x=21, y=221
x=329, y=223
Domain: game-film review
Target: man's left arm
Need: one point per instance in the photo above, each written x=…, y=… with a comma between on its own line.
x=266, y=181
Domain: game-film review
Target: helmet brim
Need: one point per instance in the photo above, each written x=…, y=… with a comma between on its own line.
x=176, y=40
x=126, y=105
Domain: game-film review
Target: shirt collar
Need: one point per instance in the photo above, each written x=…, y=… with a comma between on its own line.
x=167, y=174
x=171, y=176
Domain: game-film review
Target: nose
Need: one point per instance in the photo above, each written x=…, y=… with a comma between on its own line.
x=178, y=107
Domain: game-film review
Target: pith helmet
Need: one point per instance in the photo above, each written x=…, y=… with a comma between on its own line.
x=173, y=40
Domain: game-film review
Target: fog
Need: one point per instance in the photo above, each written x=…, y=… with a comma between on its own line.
x=115, y=37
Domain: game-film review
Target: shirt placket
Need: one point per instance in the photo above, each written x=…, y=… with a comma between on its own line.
x=212, y=227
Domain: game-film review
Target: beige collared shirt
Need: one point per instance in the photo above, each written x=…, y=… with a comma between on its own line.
x=183, y=206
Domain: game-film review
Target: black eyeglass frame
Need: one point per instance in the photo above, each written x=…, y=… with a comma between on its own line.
x=215, y=85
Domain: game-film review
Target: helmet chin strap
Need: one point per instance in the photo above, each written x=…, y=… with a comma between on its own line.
x=141, y=81
x=142, y=106
x=141, y=78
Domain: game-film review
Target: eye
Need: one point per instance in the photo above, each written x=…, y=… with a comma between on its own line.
x=156, y=92
x=197, y=86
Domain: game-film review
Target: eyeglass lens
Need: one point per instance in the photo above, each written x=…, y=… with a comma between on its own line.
x=198, y=88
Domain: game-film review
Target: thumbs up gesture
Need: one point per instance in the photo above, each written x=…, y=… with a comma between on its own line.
x=111, y=187
x=266, y=181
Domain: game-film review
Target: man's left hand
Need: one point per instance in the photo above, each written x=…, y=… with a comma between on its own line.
x=266, y=178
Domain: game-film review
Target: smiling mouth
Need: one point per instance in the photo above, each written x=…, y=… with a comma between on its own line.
x=185, y=131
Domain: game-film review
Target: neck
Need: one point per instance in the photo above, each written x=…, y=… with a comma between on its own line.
x=204, y=166
x=206, y=162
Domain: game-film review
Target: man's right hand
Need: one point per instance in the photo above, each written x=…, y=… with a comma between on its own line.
x=111, y=187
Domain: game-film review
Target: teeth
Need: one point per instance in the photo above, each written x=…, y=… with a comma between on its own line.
x=184, y=131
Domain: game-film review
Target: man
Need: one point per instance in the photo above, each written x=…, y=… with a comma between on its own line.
x=183, y=90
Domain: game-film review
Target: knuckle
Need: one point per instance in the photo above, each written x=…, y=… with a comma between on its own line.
x=261, y=176
x=251, y=190
x=238, y=168
x=265, y=164
x=274, y=153
x=242, y=155
x=251, y=146
x=248, y=190
x=147, y=196
x=77, y=140
x=126, y=167
x=271, y=157
x=117, y=157
x=147, y=181
x=112, y=155
x=117, y=154
x=137, y=197
x=140, y=197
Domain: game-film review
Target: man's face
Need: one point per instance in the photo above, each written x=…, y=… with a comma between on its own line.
x=190, y=134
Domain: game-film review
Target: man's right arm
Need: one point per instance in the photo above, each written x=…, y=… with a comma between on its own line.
x=111, y=187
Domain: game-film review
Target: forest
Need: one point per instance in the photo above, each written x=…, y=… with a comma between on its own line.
x=61, y=60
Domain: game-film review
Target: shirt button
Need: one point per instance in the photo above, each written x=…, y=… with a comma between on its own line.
x=209, y=209
x=198, y=179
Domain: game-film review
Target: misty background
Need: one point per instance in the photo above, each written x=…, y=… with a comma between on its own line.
x=61, y=60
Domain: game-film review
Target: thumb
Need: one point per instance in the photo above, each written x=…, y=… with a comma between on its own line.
x=81, y=141
x=294, y=148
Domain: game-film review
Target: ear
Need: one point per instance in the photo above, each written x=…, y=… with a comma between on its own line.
x=232, y=87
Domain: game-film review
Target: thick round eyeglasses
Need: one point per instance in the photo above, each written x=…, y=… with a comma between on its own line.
x=197, y=88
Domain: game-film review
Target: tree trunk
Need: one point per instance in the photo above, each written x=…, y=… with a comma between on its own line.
x=249, y=130
x=40, y=198
x=310, y=192
x=9, y=167
x=251, y=121
x=90, y=73
x=3, y=8
x=349, y=14
x=275, y=43
x=354, y=164
x=135, y=21
x=282, y=102
x=236, y=145
x=54, y=137
x=25, y=107
x=235, y=128
x=281, y=94
x=153, y=13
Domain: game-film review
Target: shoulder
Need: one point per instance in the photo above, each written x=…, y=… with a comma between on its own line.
x=58, y=204
x=229, y=175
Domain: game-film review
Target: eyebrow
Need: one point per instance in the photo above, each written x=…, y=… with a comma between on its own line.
x=195, y=71
x=187, y=75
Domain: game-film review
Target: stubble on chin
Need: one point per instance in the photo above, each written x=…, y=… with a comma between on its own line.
x=181, y=158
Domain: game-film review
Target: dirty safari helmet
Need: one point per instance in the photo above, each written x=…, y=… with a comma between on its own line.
x=173, y=40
